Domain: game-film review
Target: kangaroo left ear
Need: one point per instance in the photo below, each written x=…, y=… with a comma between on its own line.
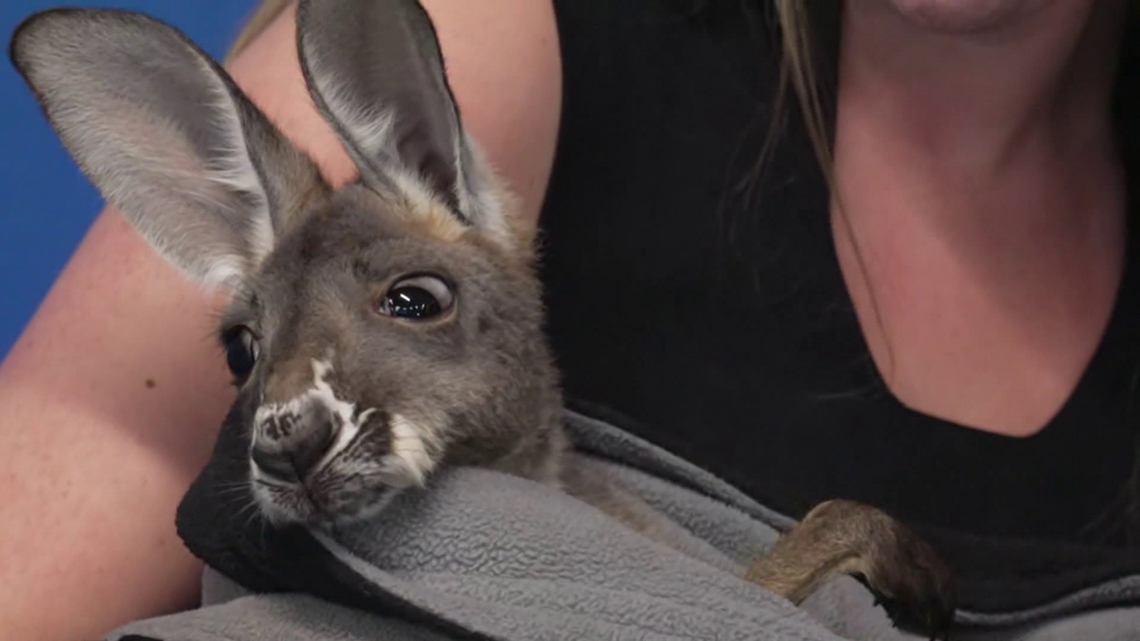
x=166, y=136
x=376, y=72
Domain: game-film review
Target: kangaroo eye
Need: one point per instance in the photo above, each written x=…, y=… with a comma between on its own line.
x=417, y=298
x=242, y=351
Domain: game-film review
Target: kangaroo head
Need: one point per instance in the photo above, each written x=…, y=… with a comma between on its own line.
x=376, y=331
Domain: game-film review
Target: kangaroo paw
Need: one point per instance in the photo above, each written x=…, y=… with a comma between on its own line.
x=912, y=583
x=906, y=575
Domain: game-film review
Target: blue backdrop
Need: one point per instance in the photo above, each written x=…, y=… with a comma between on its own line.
x=46, y=205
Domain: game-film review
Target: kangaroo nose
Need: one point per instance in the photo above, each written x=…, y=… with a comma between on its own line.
x=292, y=460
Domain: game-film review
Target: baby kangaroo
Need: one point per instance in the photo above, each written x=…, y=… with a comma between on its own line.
x=382, y=330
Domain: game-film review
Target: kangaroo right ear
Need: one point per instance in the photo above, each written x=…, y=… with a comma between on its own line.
x=375, y=70
x=165, y=136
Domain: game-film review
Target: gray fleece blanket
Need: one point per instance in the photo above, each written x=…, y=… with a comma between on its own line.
x=481, y=555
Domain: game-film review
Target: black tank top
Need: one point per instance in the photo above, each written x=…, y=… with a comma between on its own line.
x=716, y=323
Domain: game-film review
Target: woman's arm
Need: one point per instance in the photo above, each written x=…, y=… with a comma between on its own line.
x=110, y=400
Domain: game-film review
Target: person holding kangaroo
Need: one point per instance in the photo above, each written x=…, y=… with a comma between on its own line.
x=874, y=251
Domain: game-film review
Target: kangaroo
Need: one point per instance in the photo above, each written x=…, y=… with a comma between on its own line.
x=382, y=330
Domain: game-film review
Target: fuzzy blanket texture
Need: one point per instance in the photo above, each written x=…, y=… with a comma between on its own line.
x=483, y=555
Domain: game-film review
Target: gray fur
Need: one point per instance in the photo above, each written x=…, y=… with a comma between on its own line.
x=376, y=72
x=164, y=136
x=483, y=378
x=151, y=120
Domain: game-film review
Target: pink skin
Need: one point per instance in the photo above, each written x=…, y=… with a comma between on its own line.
x=975, y=163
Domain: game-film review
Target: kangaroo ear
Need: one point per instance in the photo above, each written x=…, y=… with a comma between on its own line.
x=165, y=136
x=375, y=71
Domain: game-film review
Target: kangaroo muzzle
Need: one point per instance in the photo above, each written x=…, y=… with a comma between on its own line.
x=292, y=438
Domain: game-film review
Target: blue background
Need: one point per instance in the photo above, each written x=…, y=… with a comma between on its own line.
x=46, y=205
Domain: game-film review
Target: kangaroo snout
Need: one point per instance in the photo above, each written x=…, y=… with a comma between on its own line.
x=290, y=440
x=291, y=437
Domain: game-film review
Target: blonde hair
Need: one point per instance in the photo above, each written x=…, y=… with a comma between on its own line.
x=798, y=74
x=798, y=70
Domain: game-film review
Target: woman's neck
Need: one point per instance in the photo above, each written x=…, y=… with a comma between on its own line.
x=979, y=219
x=974, y=101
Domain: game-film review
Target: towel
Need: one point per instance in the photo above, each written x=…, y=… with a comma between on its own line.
x=483, y=555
